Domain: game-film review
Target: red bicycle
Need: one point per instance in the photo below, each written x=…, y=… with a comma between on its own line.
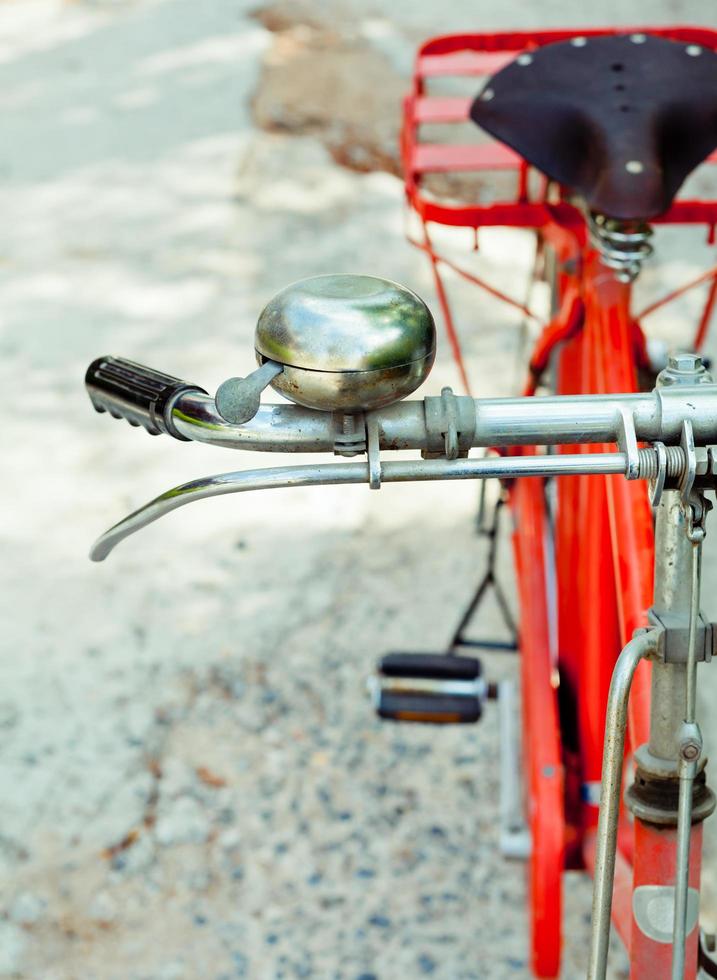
x=599, y=130
x=593, y=577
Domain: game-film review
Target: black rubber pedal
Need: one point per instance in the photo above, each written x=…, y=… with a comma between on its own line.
x=430, y=666
x=434, y=709
x=436, y=688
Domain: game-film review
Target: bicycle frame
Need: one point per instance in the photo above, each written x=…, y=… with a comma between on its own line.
x=598, y=539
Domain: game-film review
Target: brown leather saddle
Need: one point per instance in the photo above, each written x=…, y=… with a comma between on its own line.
x=621, y=120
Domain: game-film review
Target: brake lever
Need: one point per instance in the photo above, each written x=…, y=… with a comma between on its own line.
x=400, y=471
x=224, y=483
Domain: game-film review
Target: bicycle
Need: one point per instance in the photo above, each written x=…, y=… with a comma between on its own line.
x=347, y=350
x=586, y=124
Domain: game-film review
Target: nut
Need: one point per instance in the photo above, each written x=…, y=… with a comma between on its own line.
x=702, y=462
x=684, y=361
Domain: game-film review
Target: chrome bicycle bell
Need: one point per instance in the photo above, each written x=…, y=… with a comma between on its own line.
x=338, y=343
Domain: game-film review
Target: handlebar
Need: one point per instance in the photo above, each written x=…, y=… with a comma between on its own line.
x=444, y=428
x=162, y=403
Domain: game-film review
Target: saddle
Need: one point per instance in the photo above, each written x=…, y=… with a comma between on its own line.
x=621, y=120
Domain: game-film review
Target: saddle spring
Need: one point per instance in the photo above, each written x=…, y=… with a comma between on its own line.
x=623, y=244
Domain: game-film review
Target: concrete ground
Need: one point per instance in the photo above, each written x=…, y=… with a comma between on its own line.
x=193, y=784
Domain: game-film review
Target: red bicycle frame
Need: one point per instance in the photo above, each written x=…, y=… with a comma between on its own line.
x=595, y=546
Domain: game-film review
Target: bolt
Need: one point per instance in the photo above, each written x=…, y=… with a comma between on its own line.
x=638, y=38
x=694, y=50
x=685, y=362
x=634, y=166
x=524, y=59
x=487, y=94
x=579, y=42
x=690, y=750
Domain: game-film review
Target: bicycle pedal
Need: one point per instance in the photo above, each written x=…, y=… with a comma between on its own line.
x=438, y=689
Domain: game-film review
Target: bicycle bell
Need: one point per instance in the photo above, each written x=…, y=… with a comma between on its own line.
x=337, y=343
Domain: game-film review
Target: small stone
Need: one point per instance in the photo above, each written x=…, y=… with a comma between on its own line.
x=182, y=822
x=27, y=909
x=230, y=839
x=103, y=908
x=382, y=921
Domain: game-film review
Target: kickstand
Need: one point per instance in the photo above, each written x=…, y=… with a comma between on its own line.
x=489, y=581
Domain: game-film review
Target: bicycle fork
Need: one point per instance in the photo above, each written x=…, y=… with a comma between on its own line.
x=669, y=798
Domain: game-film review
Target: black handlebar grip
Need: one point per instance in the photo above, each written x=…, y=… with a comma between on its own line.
x=136, y=393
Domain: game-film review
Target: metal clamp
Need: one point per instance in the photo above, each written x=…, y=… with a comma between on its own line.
x=373, y=449
x=687, y=442
x=627, y=443
x=450, y=424
x=657, y=485
x=674, y=630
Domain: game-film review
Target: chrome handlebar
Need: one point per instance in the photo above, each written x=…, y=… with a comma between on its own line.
x=656, y=416
x=682, y=418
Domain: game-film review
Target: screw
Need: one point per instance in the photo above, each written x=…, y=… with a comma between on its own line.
x=690, y=750
x=524, y=59
x=694, y=50
x=683, y=361
x=634, y=166
x=487, y=94
x=638, y=38
x=579, y=42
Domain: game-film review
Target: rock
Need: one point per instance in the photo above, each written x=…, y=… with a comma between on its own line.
x=182, y=821
x=103, y=908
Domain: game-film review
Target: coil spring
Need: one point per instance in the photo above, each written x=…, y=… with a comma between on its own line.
x=624, y=245
x=675, y=462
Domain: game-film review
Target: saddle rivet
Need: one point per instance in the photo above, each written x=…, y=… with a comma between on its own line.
x=524, y=59
x=487, y=94
x=638, y=38
x=579, y=42
x=694, y=50
x=634, y=166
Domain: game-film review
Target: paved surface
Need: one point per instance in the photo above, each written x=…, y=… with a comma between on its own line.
x=192, y=782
